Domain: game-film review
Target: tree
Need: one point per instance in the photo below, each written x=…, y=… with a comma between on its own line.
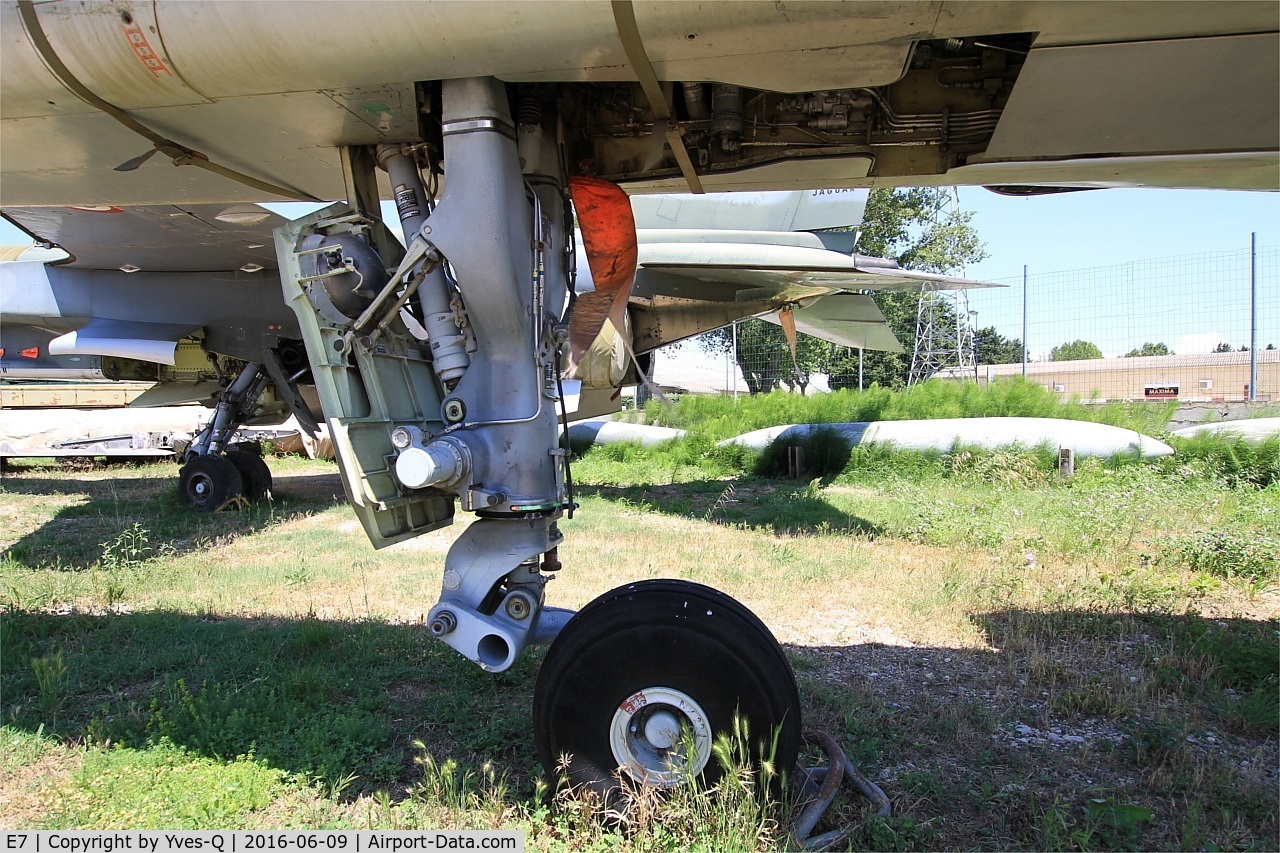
x=1223, y=347
x=764, y=357
x=1075, y=351
x=888, y=369
x=906, y=225
x=991, y=347
x=1148, y=349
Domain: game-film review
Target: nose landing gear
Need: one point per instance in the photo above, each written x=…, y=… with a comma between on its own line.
x=216, y=472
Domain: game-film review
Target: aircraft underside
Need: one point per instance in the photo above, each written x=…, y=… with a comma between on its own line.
x=661, y=96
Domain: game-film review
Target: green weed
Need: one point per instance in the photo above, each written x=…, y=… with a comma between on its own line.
x=723, y=417
x=1112, y=825
x=1238, y=656
x=1228, y=554
x=824, y=454
x=1101, y=824
x=1234, y=461
x=161, y=788
x=448, y=785
x=129, y=549
x=1014, y=466
x=894, y=832
x=51, y=680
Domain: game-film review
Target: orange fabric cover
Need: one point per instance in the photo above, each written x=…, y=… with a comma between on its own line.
x=609, y=238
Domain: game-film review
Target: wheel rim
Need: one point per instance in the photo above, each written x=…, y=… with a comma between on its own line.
x=201, y=487
x=653, y=733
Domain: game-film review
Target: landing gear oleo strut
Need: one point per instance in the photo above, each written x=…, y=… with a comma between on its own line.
x=440, y=371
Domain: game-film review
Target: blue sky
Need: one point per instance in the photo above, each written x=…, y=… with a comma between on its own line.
x=1196, y=295
x=1103, y=227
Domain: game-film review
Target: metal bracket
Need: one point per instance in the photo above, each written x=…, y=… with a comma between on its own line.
x=490, y=551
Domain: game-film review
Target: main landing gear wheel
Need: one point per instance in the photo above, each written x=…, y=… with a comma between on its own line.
x=253, y=471
x=644, y=678
x=208, y=482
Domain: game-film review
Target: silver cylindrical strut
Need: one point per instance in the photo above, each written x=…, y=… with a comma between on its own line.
x=406, y=187
x=448, y=344
x=234, y=401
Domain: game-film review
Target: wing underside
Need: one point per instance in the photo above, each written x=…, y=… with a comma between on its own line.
x=156, y=238
x=137, y=280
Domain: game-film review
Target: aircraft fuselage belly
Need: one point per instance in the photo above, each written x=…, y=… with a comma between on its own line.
x=782, y=97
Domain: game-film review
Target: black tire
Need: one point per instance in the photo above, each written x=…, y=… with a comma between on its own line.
x=667, y=634
x=253, y=472
x=208, y=482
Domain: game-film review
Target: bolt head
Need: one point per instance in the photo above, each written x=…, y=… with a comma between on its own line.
x=518, y=607
x=454, y=410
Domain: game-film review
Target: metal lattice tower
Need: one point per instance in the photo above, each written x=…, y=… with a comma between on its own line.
x=944, y=323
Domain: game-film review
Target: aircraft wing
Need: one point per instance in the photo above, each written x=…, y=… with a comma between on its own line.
x=689, y=287
x=793, y=271
x=155, y=238
x=139, y=279
x=848, y=319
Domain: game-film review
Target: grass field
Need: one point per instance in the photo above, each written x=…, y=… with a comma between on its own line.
x=1021, y=662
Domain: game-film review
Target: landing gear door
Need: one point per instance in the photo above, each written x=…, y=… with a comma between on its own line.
x=369, y=380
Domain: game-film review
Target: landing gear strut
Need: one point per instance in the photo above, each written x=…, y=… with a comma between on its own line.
x=643, y=680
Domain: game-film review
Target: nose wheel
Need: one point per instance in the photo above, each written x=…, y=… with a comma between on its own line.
x=643, y=679
x=253, y=472
x=208, y=482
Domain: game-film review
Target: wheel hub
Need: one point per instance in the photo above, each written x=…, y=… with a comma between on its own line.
x=660, y=736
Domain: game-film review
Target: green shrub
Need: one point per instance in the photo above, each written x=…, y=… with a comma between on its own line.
x=1233, y=460
x=1228, y=554
x=721, y=417
x=1012, y=466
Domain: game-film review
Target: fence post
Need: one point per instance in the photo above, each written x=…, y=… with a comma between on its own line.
x=1066, y=461
x=735, y=361
x=1024, y=321
x=1253, y=317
